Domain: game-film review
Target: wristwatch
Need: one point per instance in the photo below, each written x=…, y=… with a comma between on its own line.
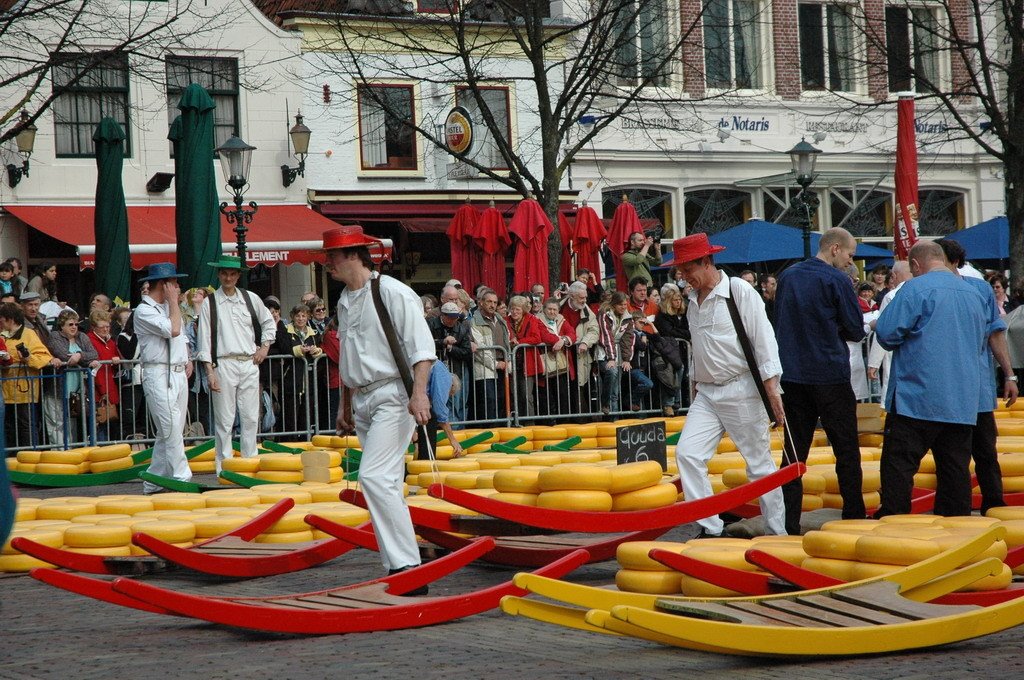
x=1011, y=378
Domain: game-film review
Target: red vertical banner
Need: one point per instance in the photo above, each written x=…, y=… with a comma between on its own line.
x=905, y=228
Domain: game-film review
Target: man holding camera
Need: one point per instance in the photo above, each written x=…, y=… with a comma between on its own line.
x=638, y=260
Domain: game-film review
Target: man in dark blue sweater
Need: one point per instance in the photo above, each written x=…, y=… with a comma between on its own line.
x=816, y=313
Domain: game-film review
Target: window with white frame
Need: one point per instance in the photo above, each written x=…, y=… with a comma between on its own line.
x=828, y=47
x=88, y=88
x=219, y=77
x=913, y=48
x=387, y=140
x=496, y=100
x=640, y=46
x=734, y=47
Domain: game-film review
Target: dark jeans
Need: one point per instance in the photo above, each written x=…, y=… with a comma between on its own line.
x=986, y=462
x=906, y=442
x=422, y=453
x=24, y=421
x=837, y=408
x=490, y=401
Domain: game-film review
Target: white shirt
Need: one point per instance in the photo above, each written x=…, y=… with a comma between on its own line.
x=717, y=354
x=234, y=325
x=877, y=355
x=365, y=354
x=153, y=329
x=968, y=270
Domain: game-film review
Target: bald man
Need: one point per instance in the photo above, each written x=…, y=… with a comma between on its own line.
x=937, y=328
x=816, y=314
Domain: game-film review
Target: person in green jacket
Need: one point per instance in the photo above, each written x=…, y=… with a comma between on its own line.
x=638, y=260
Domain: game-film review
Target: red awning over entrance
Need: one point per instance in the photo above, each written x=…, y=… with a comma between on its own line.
x=278, y=234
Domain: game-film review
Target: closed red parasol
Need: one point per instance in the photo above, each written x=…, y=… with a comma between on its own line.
x=565, y=231
x=491, y=236
x=624, y=223
x=465, y=263
x=533, y=229
x=587, y=239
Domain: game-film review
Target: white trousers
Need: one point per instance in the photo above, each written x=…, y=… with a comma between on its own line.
x=239, y=392
x=167, y=404
x=385, y=426
x=736, y=409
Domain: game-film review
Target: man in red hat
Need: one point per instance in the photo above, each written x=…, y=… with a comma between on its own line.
x=727, y=398
x=384, y=413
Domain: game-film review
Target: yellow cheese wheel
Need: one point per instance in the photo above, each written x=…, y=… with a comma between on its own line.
x=1014, y=532
x=56, y=468
x=575, y=499
x=894, y=550
x=651, y=582
x=1000, y=581
x=998, y=549
x=972, y=522
x=280, y=462
x=107, y=551
x=576, y=477
x=321, y=458
x=505, y=434
x=296, y=494
x=607, y=442
x=520, y=498
x=925, y=480
x=503, y=462
x=581, y=457
x=214, y=525
x=732, y=556
x=607, y=430
x=862, y=570
x=29, y=468
x=550, y=434
x=1013, y=484
x=283, y=476
x=15, y=564
x=28, y=456
x=202, y=466
x=250, y=464
x=834, y=545
x=111, y=465
x=788, y=551
x=286, y=537
x=636, y=554
x=484, y=481
x=582, y=431
x=633, y=476
x=721, y=462
x=177, y=501
x=96, y=536
x=657, y=496
x=810, y=503
x=97, y=518
x=57, y=510
x=517, y=481
x=48, y=537
x=291, y=521
x=98, y=454
x=695, y=587
x=839, y=569
x=461, y=480
x=205, y=456
x=909, y=519
x=586, y=443
x=342, y=513
x=545, y=458
x=53, y=524
x=72, y=457
x=1009, y=512
x=813, y=484
x=128, y=506
x=23, y=513
x=327, y=493
x=172, y=531
x=322, y=475
x=924, y=532
x=458, y=465
x=242, y=500
x=417, y=467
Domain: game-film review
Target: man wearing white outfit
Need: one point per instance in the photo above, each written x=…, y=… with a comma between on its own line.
x=163, y=353
x=245, y=330
x=376, y=401
x=727, y=399
x=879, y=358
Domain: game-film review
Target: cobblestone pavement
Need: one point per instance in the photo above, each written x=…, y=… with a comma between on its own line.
x=48, y=633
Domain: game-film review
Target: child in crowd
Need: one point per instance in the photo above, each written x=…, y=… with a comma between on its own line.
x=7, y=279
x=639, y=383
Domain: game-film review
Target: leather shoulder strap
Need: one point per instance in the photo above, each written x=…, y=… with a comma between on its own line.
x=212, y=297
x=391, y=335
x=256, y=328
x=748, y=352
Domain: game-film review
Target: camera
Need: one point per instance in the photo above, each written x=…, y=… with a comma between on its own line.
x=657, y=233
x=23, y=352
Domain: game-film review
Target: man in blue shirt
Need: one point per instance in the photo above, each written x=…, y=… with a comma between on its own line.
x=441, y=385
x=816, y=313
x=937, y=328
x=983, y=440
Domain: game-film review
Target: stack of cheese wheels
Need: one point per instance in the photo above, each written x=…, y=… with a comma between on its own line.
x=507, y=434
x=638, y=486
x=1012, y=467
x=813, y=486
x=925, y=477
x=638, y=573
x=204, y=463
x=90, y=459
x=851, y=550
x=110, y=458
x=322, y=465
x=575, y=486
x=870, y=485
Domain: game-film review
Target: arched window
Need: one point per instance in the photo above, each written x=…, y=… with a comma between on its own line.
x=942, y=212
x=714, y=210
x=650, y=204
x=863, y=213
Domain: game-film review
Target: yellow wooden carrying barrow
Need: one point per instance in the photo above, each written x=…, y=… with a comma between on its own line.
x=873, y=616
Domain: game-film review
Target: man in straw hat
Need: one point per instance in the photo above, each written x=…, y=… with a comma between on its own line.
x=163, y=353
x=383, y=413
x=727, y=398
x=235, y=333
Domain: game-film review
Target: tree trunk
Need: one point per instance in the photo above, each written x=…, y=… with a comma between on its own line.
x=1014, y=181
x=549, y=202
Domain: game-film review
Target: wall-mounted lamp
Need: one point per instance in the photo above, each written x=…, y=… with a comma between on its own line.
x=26, y=140
x=300, y=142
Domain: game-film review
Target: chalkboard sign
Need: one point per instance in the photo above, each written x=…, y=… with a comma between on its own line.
x=637, y=443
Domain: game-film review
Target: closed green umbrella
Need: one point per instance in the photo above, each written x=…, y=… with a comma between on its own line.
x=196, y=214
x=113, y=262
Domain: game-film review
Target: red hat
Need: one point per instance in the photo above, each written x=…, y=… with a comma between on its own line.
x=692, y=247
x=347, y=236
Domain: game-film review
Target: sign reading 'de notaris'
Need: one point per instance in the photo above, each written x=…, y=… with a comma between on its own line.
x=637, y=443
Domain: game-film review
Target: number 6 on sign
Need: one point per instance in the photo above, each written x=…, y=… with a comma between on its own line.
x=638, y=443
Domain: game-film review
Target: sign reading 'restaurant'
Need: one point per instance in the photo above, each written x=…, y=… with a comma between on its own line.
x=458, y=131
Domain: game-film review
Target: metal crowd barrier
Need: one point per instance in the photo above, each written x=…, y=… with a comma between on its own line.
x=47, y=409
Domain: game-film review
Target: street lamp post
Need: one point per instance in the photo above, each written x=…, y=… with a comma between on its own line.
x=235, y=157
x=804, y=157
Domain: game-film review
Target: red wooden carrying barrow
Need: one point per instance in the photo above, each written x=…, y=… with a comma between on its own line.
x=234, y=554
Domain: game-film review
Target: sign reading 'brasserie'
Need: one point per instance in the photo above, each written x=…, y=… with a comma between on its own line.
x=637, y=443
